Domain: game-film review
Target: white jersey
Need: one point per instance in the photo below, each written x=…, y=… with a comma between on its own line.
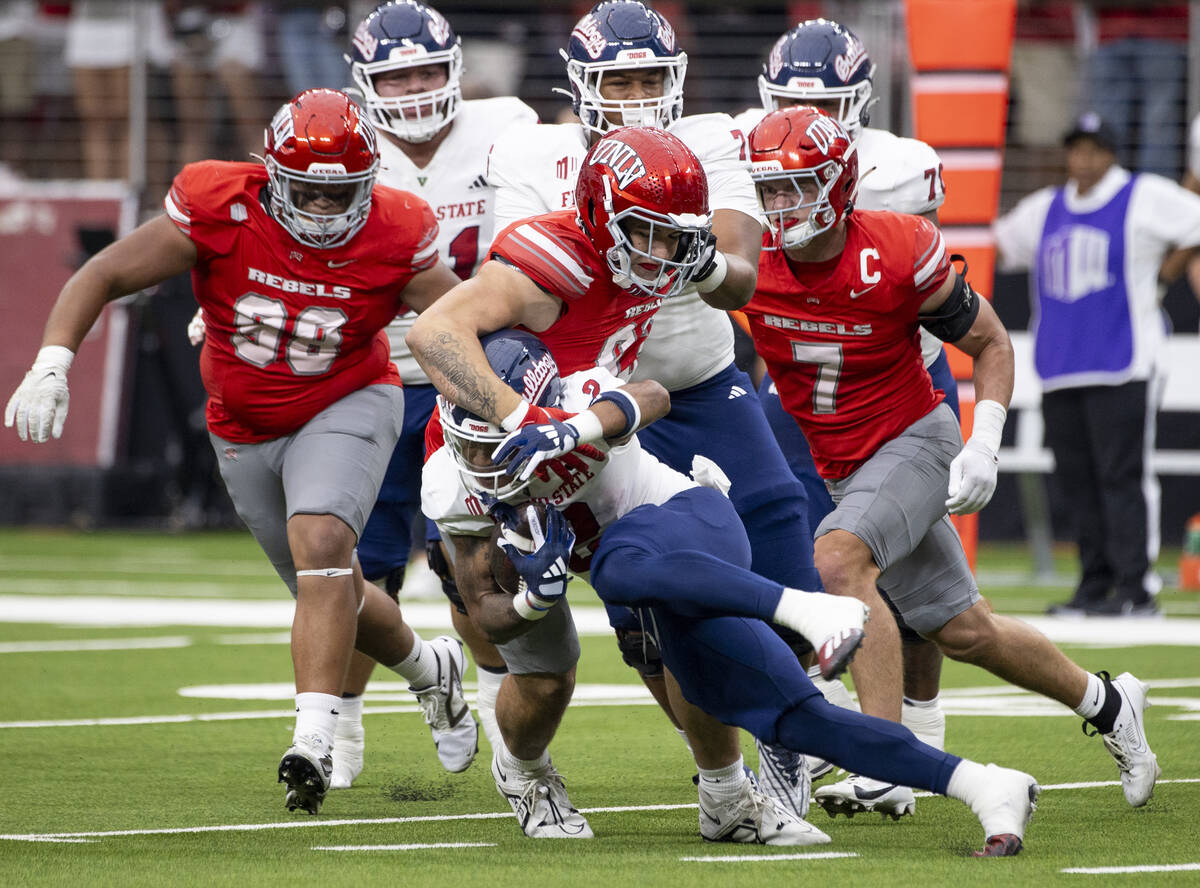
x=605, y=483
x=534, y=172
x=897, y=174
x=455, y=185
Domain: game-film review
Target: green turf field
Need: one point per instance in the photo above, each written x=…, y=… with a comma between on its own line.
x=146, y=691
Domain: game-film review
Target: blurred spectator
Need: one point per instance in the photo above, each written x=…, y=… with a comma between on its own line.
x=311, y=37
x=16, y=74
x=1094, y=248
x=1136, y=79
x=217, y=43
x=103, y=39
x=1044, y=74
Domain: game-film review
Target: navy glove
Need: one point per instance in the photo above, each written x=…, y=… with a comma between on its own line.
x=531, y=445
x=543, y=571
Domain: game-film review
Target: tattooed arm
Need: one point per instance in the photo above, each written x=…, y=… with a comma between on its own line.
x=445, y=337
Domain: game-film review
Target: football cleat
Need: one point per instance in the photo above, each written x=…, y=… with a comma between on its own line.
x=455, y=733
x=783, y=775
x=1126, y=742
x=857, y=794
x=1004, y=845
x=1004, y=804
x=754, y=818
x=306, y=771
x=349, y=741
x=833, y=624
x=539, y=799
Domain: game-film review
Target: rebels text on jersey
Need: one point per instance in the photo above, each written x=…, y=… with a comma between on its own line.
x=840, y=337
x=290, y=329
x=600, y=323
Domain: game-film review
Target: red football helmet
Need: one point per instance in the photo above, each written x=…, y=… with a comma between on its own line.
x=805, y=153
x=319, y=142
x=646, y=175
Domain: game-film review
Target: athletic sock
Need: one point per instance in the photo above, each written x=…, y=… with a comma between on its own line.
x=926, y=719
x=488, y=681
x=420, y=666
x=1101, y=703
x=525, y=766
x=316, y=717
x=723, y=784
x=833, y=690
x=350, y=713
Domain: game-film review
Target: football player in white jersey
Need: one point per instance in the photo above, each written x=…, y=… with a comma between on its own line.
x=625, y=68
x=822, y=63
x=406, y=61
x=656, y=542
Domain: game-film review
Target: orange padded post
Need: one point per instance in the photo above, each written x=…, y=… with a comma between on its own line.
x=961, y=51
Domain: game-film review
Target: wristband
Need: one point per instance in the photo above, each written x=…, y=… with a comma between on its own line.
x=989, y=424
x=525, y=607
x=717, y=277
x=57, y=357
x=513, y=421
x=588, y=425
x=629, y=407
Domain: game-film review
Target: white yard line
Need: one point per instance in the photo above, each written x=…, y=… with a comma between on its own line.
x=428, y=818
x=95, y=644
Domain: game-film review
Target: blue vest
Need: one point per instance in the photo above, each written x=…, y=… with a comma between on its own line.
x=1083, y=321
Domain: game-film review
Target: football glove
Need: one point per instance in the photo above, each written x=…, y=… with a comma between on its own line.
x=39, y=405
x=543, y=571
x=531, y=445
x=711, y=267
x=972, y=478
x=196, y=328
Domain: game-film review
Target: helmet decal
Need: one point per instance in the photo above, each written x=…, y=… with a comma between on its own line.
x=587, y=32
x=621, y=158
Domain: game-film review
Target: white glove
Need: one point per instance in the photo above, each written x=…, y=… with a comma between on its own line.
x=973, y=471
x=195, y=327
x=39, y=405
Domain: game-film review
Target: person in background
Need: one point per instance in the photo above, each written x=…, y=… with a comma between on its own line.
x=1094, y=248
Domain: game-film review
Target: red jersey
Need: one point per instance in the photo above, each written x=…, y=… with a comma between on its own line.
x=601, y=324
x=291, y=329
x=840, y=337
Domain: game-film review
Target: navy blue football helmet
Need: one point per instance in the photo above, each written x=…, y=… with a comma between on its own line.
x=523, y=362
x=820, y=61
x=407, y=34
x=619, y=35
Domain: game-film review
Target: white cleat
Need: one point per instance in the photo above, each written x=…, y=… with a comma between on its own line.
x=833, y=625
x=754, y=818
x=1126, y=742
x=783, y=775
x=539, y=799
x=455, y=733
x=1004, y=805
x=306, y=769
x=857, y=794
x=349, y=742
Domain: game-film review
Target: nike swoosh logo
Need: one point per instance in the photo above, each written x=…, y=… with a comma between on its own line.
x=854, y=294
x=709, y=816
x=333, y=264
x=870, y=795
x=455, y=717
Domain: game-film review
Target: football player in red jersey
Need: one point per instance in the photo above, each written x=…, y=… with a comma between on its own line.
x=589, y=281
x=840, y=297
x=299, y=263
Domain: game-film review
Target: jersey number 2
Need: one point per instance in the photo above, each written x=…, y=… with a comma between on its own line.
x=828, y=358
x=313, y=337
